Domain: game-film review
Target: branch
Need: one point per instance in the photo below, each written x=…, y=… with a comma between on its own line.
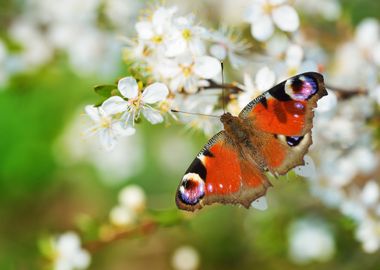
x=345, y=94
x=341, y=92
x=144, y=228
x=229, y=86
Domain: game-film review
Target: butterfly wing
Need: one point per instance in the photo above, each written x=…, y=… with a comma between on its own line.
x=280, y=120
x=220, y=174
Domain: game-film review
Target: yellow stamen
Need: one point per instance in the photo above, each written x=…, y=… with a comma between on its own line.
x=157, y=39
x=186, y=34
x=187, y=71
x=105, y=122
x=268, y=7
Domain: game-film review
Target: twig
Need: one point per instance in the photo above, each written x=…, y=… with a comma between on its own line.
x=344, y=94
x=228, y=86
x=144, y=228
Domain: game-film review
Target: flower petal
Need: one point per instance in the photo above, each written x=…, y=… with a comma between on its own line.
x=128, y=87
x=81, y=260
x=218, y=51
x=114, y=105
x=161, y=19
x=144, y=30
x=107, y=139
x=286, y=18
x=262, y=29
x=307, y=170
x=276, y=2
x=260, y=203
x=327, y=103
x=152, y=115
x=92, y=112
x=207, y=67
x=175, y=46
x=376, y=54
x=154, y=93
x=265, y=79
x=294, y=56
x=367, y=33
x=253, y=12
x=168, y=68
x=122, y=129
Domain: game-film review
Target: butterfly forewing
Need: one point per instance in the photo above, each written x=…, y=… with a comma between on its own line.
x=283, y=116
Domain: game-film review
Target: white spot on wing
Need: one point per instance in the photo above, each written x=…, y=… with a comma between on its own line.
x=202, y=158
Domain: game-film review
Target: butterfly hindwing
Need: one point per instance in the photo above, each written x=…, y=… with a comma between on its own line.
x=220, y=174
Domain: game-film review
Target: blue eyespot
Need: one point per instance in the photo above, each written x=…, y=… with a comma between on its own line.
x=301, y=87
x=192, y=189
x=293, y=140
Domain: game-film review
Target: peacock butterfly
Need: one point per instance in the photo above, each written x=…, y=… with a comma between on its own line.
x=271, y=134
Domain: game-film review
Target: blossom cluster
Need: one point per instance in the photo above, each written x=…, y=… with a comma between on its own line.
x=131, y=204
x=44, y=29
x=180, y=56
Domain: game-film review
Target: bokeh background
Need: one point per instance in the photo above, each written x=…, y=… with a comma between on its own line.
x=54, y=180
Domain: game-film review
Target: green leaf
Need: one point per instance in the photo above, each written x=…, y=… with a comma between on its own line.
x=99, y=103
x=105, y=90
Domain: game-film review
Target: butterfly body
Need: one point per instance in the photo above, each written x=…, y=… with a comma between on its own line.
x=271, y=134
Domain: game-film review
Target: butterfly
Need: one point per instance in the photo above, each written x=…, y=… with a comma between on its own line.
x=271, y=134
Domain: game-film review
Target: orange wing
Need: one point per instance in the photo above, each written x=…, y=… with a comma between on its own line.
x=220, y=174
x=280, y=121
x=287, y=108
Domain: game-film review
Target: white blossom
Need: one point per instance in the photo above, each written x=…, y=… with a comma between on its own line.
x=227, y=45
x=186, y=37
x=156, y=30
x=310, y=240
x=185, y=72
x=132, y=197
x=308, y=169
x=108, y=128
x=138, y=102
x=185, y=258
x=328, y=9
x=264, y=14
x=369, y=234
x=131, y=203
x=260, y=203
x=69, y=254
x=264, y=80
x=122, y=216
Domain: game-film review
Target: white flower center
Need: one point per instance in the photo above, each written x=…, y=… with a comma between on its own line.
x=105, y=122
x=187, y=70
x=186, y=34
x=157, y=39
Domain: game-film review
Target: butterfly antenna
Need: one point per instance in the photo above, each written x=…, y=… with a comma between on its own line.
x=202, y=114
x=223, y=100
